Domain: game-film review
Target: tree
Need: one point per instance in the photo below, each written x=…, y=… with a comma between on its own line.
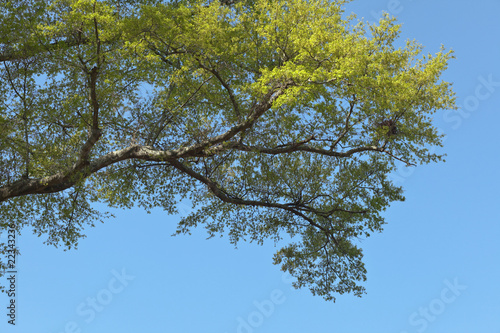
x=277, y=119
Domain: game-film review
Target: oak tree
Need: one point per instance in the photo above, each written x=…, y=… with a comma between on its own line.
x=277, y=119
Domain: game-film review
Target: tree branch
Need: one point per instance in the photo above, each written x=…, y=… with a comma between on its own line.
x=226, y=197
x=299, y=146
x=226, y=86
x=257, y=110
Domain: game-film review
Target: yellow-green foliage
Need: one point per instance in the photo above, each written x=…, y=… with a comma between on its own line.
x=273, y=116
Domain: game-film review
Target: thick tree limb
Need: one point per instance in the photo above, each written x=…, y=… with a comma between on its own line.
x=83, y=168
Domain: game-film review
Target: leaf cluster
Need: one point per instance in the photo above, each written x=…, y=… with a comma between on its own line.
x=279, y=120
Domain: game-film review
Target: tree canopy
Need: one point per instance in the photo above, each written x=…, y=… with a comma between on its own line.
x=277, y=119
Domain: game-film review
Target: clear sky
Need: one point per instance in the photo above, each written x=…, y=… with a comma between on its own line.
x=435, y=268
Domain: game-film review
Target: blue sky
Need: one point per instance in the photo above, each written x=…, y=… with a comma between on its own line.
x=435, y=268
